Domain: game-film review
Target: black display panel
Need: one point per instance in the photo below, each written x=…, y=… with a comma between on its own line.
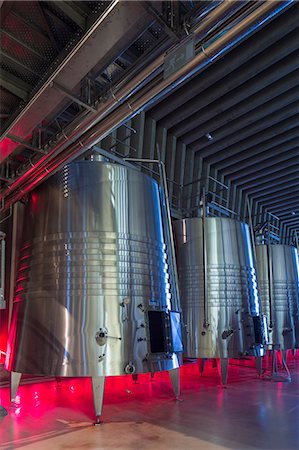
x=156, y=321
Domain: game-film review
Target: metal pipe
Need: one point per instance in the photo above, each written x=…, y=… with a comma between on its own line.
x=205, y=273
x=251, y=50
x=2, y=278
x=251, y=231
x=70, y=55
x=209, y=53
x=214, y=20
x=165, y=197
x=119, y=93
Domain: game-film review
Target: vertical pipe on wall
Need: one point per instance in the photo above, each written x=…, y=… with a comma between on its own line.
x=2, y=276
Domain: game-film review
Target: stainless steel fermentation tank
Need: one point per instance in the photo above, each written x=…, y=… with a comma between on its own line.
x=218, y=289
x=278, y=274
x=93, y=294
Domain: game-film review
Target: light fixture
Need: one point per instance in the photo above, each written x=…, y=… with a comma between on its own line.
x=209, y=136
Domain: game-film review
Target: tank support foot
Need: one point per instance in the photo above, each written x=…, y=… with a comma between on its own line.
x=135, y=377
x=284, y=356
x=275, y=375
x=223, y=369
x=175, y=381
x=15, y=378
x=259, y=365
x=214, y=363
x=201, y=365
x=98, y=386
x=294, y=352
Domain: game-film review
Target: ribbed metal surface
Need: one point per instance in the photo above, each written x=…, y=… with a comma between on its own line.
x=230, y=297
x=93, y=261
x=278, y=274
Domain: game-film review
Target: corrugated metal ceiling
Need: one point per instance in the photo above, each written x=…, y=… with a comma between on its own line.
x=241, y=117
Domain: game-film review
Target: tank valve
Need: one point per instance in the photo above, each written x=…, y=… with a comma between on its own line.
x=130, y=368
x=126, y=301
x=101, y=336
x=227, y=333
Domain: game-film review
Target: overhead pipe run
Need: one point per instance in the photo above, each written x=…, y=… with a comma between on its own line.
x=113, y=31
x=133, y=102
x=118, y=93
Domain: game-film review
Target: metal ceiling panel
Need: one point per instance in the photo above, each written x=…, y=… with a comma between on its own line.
x=120, y=24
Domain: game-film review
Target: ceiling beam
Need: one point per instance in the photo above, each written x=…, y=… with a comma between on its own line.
x=261, y=179
x=290, y=221
x=228, y=125
x=24, y=44
x=31, y=25
x=279, y=183
x=284, y=208
x=271, y=148
x=289, y=164
x=248, y=50
x=72, y=13
x=14, y=84
x=292, y=228
x=44, y=19
x=112, y=32
x=254, y=134
x=4, y=115
x=17, y=62
x=249, y=166
x=274, y=191
x=247, y=97
x=281, y=200
x=6, y=6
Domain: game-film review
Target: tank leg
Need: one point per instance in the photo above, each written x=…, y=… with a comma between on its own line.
x=214, y=363
x=284, y=356
x=259, y=365
x=98, y=386
x=284, y=364
x=175, y=381
x=294, y=352
x=201, y=365
x=223, y=369
x=274, y=362
x=135, y=377
x=15, y=378
x=3, y=412
x=275, y=376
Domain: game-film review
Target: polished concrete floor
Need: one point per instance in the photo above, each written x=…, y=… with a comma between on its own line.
x=251, y=413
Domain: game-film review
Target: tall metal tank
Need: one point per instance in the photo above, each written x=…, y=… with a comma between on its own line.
x=218, y=288
x=93, y=294
x=278, y=275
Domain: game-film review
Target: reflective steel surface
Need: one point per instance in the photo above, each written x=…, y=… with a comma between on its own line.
x=278, y=276
x=218, y=287
x=92, y=294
